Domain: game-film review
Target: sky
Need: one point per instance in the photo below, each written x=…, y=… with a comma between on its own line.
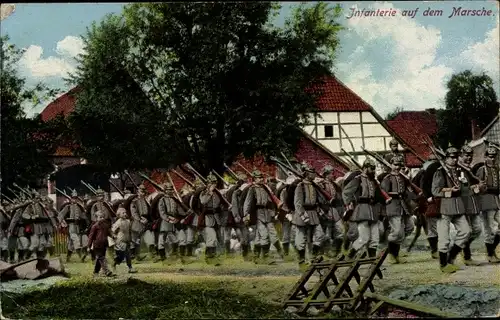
x=401, y=61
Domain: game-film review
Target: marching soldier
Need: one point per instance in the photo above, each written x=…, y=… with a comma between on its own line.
x=394, y=145
x=332, y=226
x=51, y=226
x=187, y=193
x=139, y=213
x=4, y=224
x=471, y=201
x=17, y=237
x=361, y=195
x=307, y=203
x=259, y=207
x=286, y=193
x=73, y=216
x=209, y=203
x=490, y=203
x=226, y=221
x=237, y=201
x=169, y=210
x=431, y=216
x=101, y=205
x=446, y=186
x=397, y=211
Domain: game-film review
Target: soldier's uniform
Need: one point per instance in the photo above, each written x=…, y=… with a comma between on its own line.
x=393, y=144
x=397, y=211
x=4, y=237
x=210, y=204
x=470, y=196
x=259, y=207
x=139, y=213
x=73, y=214
x=447, y=187
x=490, y=203
x=237, y=201
x=102, y=206
x=170, y=211
x=308, y=202
x=17, y=239
x=51, y=226
x=431, y=216
x=226, y=220
x=286, y=193
x=361, y=195
x=187, y=193
x=331, y=221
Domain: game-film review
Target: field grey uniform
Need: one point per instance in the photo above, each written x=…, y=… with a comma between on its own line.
x=397, y=211
x=452, y=211
x=286, y=192
x=362, y=194
x=394, y=145
x=490, y=203
x=139, y=214
x=38, y=218
x=17, y=239
x=308, y=208
x=210, y=204
x=470, y=197
x=169, y=210
x=4, y=235
x=237, y=202
x=258, y=207
x=102, y=206
x=331, y=221
x=187, y=195
x=74, y=215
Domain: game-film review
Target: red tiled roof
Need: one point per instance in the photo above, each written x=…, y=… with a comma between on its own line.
x=64, y=152
x=64, y=104
x=336, y=96
x=427, y=120
x=414, y=133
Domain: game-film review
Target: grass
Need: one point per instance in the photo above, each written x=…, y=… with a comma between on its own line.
x=236, y=289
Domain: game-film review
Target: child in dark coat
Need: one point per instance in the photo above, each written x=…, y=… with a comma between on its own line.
x=98, y=241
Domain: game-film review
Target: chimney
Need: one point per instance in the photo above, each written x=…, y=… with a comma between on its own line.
x=476, y=131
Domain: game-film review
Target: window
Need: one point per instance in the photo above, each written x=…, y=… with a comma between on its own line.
x=328, y=131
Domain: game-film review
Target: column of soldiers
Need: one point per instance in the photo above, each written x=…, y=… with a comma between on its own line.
x=319, y=215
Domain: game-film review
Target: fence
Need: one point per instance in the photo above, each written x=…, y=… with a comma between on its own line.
x=60, y=241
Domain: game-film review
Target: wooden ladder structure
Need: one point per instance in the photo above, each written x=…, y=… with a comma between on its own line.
x=333, y=287
x=326, y=284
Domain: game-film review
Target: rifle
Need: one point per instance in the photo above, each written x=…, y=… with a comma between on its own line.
x=270, y=193
x=218, y=176
x=27, y=193
x=114, y=186
x=217, y=191
x=443, y=165
x=180, y=202
x=386, y=197
x=186, y=180
x=231, y=172
x=7, y=198
x=14, y=193
x=94, y=191
x=387, y=164
x=130, y=178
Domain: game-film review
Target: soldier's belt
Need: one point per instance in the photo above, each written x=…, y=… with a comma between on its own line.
x=396, y=196
x=73, y=220
x=209, y=211
x=310, y=207
x=336, y=203
x=366, y=200
x=267, y=206
x=492, y=191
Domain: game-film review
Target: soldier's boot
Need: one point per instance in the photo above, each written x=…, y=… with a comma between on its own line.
x=152, y=252
x=337, y=247
x=372, y=252
x=315, y=252
x=256, y=253
x=286, y=252
x=490, y=250
x=279, y=249
x=227, y=249
x=68, y=256
x=79, y=253
x=52, y=251
x=12, y=256
x=393, y=253
x=189, y=250
x=40, y=254
x=351, y=254
x=452, y=255
x=161, y=255
x=5, y=255
x=27, y=254
x=345, y=246
x=211, y=256
x=174, y=253
x=182, y=253
x=444, y=265
x=302, y=260
x=266, y=258
x=138, y=256
x=245, y=250
x=132, y=253
x=433, y=243
x=468, y=261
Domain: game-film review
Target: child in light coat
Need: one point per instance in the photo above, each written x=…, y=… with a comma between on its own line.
x=121, y=231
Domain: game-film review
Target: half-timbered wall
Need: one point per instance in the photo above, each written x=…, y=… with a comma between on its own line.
x=493, y=134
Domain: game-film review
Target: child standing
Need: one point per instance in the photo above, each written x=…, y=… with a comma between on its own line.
x=98, y=242
x=122, y=233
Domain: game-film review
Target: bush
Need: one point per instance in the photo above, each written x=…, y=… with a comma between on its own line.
x=139, y=300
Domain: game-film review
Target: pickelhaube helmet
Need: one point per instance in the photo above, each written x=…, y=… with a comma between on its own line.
x=326, y=170
x=167, y=186
x=432, y=157
x=198, y=183
x=142, y=187
x=256, y=174
x=393, y=142
x=211, y=178
x=308, y=168
x=369, y=163
x=99, y=191
x=491, y=151
x=241, y=176
x=466, y=149
x=74, y=194
x=452, y=152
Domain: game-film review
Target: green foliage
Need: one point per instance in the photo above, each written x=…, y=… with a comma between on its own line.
x=138, y=300
x=26, y=143
x=393, y=114
x=173, y=82
x=469, y=97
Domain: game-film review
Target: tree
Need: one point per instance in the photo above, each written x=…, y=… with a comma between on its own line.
x=220, y=79
x=470, y=97
x=393, y=114
x=26, y=143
